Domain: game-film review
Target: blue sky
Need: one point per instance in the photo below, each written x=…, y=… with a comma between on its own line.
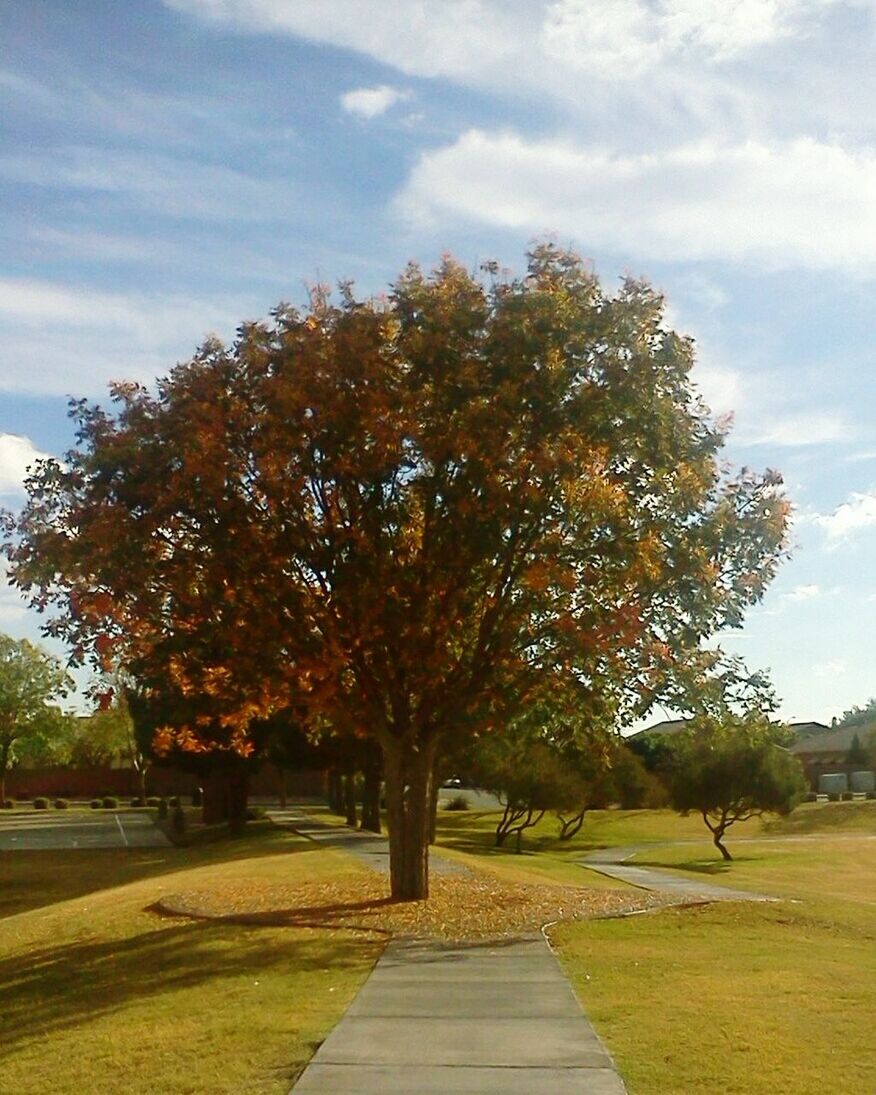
x=170, y=169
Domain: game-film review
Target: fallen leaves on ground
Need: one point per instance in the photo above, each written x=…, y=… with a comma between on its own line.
x=470, y=906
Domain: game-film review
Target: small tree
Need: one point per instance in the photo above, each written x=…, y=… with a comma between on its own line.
x=857, y=754
x=30, y=680
x=733, y=772
x=527, y=776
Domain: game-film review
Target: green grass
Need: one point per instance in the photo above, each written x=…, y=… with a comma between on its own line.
x=745, y=999
x=99, y=993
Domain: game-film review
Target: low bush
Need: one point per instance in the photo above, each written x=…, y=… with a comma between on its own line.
x=254, y=813
x=197, y=796
x=179, y=820
x=110, y=803
x=137, y=801
x=173, y=801
x=153, y=801
x=871, y=795
x=458, y=802
x=812, y=797
x=96, y=803
x=9, y=804
x=162, y=807
x=41, y=803
x=847, y=796
x=833, y=796
x=61, y=804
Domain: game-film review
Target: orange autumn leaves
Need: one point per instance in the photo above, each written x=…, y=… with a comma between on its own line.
x=396, y=515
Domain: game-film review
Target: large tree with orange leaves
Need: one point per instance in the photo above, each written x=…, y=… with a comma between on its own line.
x=406, y=517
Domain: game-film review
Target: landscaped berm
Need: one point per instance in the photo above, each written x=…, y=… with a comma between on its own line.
x=272, y=936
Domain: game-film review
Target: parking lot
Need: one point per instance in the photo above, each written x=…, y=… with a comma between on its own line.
x=30, y=830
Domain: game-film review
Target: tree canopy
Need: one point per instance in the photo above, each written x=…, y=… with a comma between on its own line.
x=30, y=681
x=733, y=770
x=401, y=516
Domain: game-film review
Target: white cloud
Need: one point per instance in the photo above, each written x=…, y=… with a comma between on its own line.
x=466, y=38
x=17, y=454
x=858, y=513
x=832, y=668
x=370, y=102
x=804, y=593
x=62, y=340
x=169, y=185
x=798, y=203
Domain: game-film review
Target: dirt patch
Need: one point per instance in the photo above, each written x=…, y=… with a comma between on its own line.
x=469, y=907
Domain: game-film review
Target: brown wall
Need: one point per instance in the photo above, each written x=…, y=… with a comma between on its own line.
x=124, y=782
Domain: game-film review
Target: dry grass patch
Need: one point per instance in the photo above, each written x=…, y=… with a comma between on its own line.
x=459, y=907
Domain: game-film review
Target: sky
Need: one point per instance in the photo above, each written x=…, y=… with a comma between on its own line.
x=168, y=170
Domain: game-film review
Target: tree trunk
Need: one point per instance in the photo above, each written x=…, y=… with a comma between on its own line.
x=570, y=827
x=717, y=839
x=4, y=765
x=409, y=776
x=142, y=774
x=238, y=796
x=335, y=790
x=350, y=800
x=433, y=808
x=371, y=795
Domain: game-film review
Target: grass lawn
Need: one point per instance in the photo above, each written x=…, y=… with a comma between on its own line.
x=745, y=999
x=98, y=994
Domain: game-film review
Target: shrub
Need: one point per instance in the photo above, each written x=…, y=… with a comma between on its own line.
x=833, y=796
x=197, y=796
x=254, y=813
x=847, y=796
x=812, y=796
x=162, y=807
x=137, y=801
x=9, y=804
x=173, y=801
x=870, y=794
x=41, y=803
x=458, y=802
x=179, y=819
x=153, y=800
x=61, y=804
x=96, y=803
x=110, y=803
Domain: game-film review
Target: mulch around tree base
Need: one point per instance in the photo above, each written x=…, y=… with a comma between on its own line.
x=458, y=908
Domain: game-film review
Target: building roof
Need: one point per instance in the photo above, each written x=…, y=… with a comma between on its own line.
x=830, y=739
x=667, y=727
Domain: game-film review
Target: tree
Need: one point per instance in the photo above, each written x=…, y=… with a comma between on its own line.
x=733, y=771
x=108, y=734
x=857, y=753
x=860, y=715
x=398, y=515
x=30, y=680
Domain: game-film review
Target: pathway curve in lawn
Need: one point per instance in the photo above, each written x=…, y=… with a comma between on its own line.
x=369, y=848
x=434, y=1018
x=612, y=862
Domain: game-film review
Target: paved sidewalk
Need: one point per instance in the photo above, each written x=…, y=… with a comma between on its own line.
x=369, y=848
x=484, y=1019
x=611, y=862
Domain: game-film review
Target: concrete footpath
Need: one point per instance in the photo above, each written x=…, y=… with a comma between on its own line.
x=455, y=1019
x=475, y=1019
x=611, y=862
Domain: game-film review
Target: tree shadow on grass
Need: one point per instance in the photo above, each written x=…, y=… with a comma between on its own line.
x=54, y=988
x=345, y=916
x=42, y=877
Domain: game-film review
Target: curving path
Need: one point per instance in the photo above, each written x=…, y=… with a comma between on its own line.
x=612, y=862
